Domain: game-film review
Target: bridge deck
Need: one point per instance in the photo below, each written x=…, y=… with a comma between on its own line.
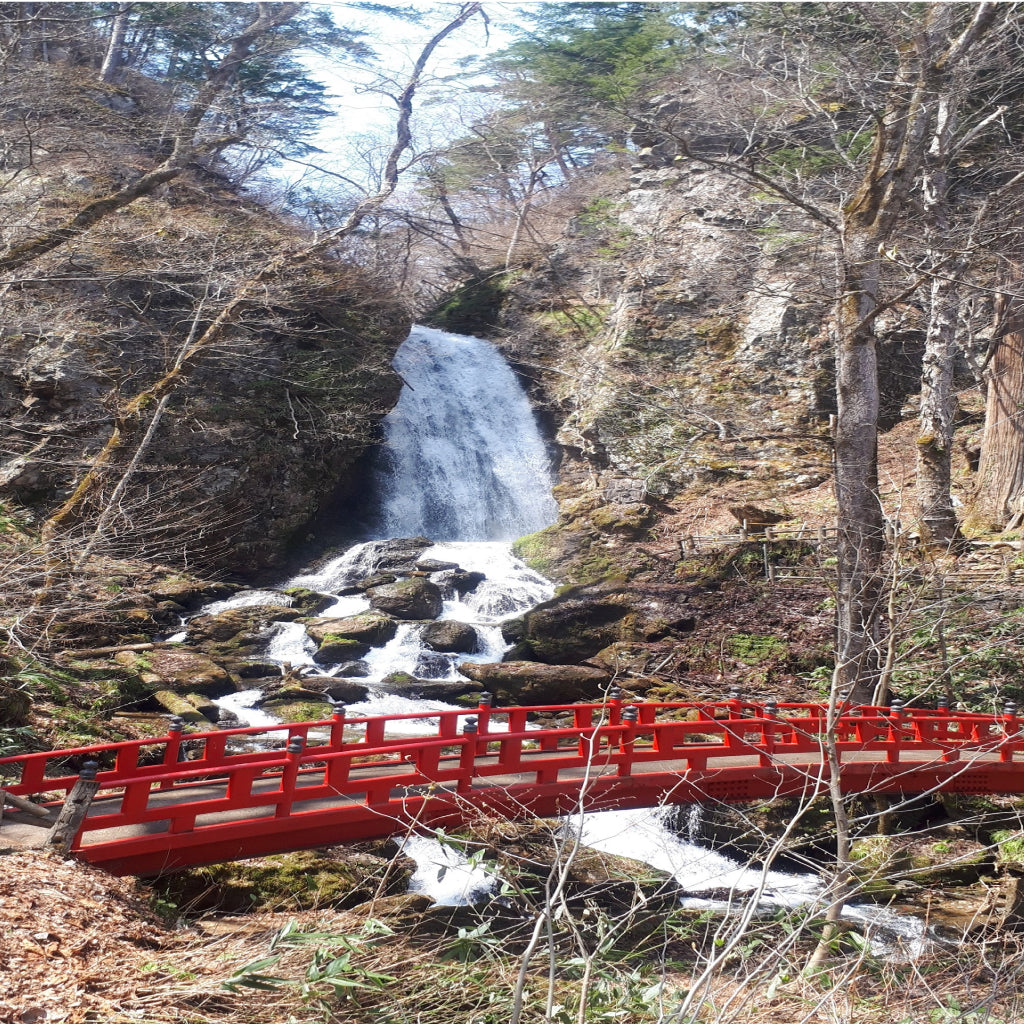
x=342, y=781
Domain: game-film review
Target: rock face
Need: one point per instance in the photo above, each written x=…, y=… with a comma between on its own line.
x=412, y=598
x=527, y=682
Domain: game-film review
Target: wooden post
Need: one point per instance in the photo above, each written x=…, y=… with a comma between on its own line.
x=22, y=804
x=75, y=810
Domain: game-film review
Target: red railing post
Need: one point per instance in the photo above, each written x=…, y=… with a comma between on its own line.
x=172, y=747
x=483, y=712
x=467, y=756
x=289, y=775
x=895, y=735
x=614, y=701
x=770, y=712
x=1010, y=731
x=627, y=740
x=337, y=727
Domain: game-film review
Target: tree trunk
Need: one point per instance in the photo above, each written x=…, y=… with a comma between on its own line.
x=935, y=440
x=999, y=498
x=860, y=522
x=114, y=57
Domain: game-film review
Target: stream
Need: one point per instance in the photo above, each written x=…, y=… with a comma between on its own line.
x=463, y=464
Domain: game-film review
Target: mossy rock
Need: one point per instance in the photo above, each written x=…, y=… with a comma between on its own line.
x=335, y=649
x=178, y=669
x=305, y=880
x=951, y=861
x=412, y=598
x=369, y=628
x=630, y=520
x=295, y=710
x=307, y=601
x=878, y=857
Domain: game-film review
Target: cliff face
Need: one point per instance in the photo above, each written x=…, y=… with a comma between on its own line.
x=676, y=341
x=262, y=431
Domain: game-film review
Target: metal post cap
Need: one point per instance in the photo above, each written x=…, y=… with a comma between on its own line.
x=631, y=714
x=89, y=770
x=295, y=744
x=176, y=724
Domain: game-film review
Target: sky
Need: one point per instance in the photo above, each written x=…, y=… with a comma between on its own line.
x=363, y=113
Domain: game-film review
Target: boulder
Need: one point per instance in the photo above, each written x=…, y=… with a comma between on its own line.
x=574, y=625
x=307, y=601
x=335, y=650
x=435, y=565
x=530, y=682
x=180, y=671
x=405, y=685
x=238, y=627
x=582, y=621
x=450, y=636
x=341, y=690
x=413, y=598
x=369, y=628
x=353, y=670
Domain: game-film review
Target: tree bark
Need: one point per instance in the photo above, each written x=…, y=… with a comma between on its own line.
x=935, y=440
x=114, y=57
x=999, y=498
x=861, y=538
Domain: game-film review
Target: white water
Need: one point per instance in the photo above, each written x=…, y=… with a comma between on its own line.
x=462, y=459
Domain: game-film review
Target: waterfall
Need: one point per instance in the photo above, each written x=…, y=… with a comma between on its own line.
x=463, y=459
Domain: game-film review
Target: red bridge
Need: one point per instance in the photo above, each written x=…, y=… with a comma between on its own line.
x=179, y=800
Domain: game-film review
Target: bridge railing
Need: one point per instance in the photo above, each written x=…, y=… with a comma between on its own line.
x=356, y=760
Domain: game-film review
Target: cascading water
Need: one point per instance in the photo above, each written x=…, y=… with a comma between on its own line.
x=462, y=459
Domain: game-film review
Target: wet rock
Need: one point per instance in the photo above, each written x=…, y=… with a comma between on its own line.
x=397, y=555
x=450, y=636
x=238, y=627
x=335, y=649
x=255, y=669
x=341, y=690
x=435, y=565
x=378, y=579
x=309, y=602
x=414, y=598
x=180, y=671
x=465, y=581
x=369, y=628
x=530, y=682
x=353, y=670
x=405, y=685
